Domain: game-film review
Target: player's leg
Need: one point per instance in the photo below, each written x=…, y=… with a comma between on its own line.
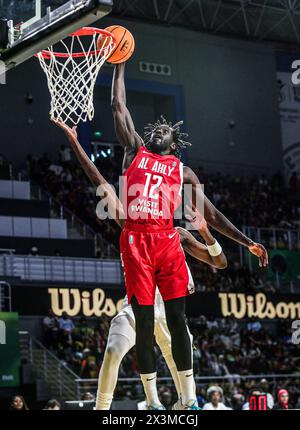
x=163, y=337
x=181, y=348
x=163, y=340
x=144, y=323
x=140, y=287
x=173, y=284
x=120, y=340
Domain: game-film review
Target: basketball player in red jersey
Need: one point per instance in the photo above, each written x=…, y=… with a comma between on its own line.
x=122, y=330
x=150, y=246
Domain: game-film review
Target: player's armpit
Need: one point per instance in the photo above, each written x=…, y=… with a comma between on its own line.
x=129, y=155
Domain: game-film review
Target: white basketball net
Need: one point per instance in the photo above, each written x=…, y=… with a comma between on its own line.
x=72, y=76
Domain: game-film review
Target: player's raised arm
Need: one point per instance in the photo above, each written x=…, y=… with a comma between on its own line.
x=219, y=222
x=211, y=253
x=114, y=205
x=124, y=127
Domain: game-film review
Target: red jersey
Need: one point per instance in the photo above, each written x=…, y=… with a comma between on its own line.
x=152, y=188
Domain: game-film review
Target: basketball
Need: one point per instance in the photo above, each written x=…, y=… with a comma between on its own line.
x=125, y=44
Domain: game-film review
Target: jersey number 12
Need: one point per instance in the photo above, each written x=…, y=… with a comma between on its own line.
x=152, y=194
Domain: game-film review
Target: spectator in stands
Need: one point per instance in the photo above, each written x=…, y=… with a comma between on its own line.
x=34, y=251
x=65, y=323
x=282, y=400
x=56, y=170
x=82, y=330
x=66, y=328
x=88, y=397
x=53, y=405
x=297, y=405
x=201, y=395
x=18, y=404
x=258, y=405
x=44, y=162
x=237, y=401
x=215, y=366
x=264, y=385
x=50, y=328
x=215, y=396
x=65, y=154
x=223, y=366
x=89, y=368
x=166, y=398
x=253, y=392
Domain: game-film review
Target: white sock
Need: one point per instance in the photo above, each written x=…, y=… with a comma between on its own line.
x=150, y=388
x=103, y=402
x=187, y=385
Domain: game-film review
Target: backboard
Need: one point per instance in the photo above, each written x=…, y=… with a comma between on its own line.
x=28, y=26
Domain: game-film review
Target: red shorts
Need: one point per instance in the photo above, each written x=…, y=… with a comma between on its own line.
x=153, y=257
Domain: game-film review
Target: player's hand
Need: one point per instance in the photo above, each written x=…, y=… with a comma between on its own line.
x=183, y=233
x=71, y=133
x=260, y=251
x=196, y=219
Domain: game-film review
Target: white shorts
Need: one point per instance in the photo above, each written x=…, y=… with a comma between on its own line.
x=124, y=322
x=123, y=325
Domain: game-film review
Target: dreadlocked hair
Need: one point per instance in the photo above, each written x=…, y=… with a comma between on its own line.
x=179, y=138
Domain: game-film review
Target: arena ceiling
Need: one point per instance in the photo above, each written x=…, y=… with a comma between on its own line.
x=274, y=20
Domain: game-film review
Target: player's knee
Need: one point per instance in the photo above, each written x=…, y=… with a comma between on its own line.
x=113, y=352
x=176, y=321
x=144, y=325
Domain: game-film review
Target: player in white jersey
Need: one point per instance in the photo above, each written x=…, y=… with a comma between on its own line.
x=122, y=330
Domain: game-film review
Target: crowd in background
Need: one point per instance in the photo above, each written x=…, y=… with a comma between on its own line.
x=211, y=398
x=222, y=348
x=67, y=183
x=18, y=403
x=256, y=201
x=236, y=278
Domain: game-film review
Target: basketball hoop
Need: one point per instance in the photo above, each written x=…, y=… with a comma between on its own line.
x=72, y=72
